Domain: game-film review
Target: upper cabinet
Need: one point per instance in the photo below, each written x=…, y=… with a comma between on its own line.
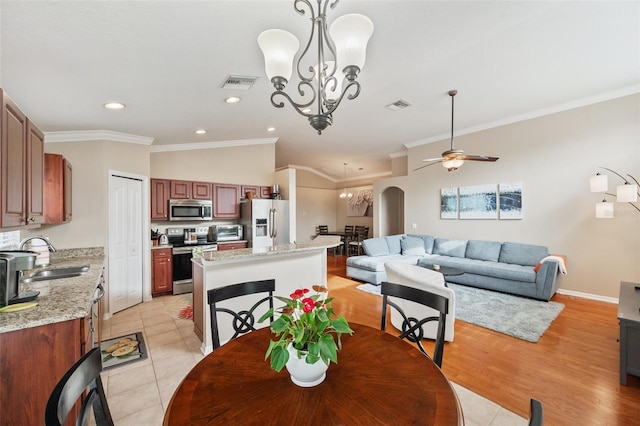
x=57, y=189
x=22, y=153
x=226, y=200
x=201, y=190
x=160, y=199
x=180, y=189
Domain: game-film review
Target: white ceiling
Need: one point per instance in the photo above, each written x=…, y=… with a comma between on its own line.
x=167, y=60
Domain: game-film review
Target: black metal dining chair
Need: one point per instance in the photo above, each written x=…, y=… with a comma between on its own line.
x=84, y=375
x=412, y=327
x=242, y=321
x=536, y=413
x=323, y=229
x=355, y=245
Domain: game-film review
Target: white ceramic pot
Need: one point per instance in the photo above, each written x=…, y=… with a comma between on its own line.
x=303, y=374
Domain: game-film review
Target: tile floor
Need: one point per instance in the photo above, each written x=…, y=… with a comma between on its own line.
x=139, y=393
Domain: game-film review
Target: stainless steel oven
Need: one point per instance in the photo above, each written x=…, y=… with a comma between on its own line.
x=182, y=252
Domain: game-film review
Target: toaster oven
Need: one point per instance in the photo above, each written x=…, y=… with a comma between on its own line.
x=219, y=233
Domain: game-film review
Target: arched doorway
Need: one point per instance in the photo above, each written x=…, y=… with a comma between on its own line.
x=392, y=211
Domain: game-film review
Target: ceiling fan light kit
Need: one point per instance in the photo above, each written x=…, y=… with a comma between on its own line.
x=345, y=44
x=452, y=159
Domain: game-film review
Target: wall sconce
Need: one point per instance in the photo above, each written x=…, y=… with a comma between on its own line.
x=626, y=193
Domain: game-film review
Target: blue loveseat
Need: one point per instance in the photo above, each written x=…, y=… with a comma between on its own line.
x=501, y=266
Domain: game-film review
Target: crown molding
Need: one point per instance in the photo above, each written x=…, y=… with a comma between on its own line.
x=590, y=100
x=332, y=179
x=210, y=145
x=95, y=135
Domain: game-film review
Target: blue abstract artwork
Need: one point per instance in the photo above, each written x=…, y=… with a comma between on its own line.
x=478, y=202
x=510, y=198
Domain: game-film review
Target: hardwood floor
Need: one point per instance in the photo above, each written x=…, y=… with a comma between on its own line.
x=573, y=369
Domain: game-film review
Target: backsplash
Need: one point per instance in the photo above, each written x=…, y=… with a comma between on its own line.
x=9, y=240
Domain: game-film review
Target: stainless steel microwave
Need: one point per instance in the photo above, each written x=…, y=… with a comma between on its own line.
x=190, y=210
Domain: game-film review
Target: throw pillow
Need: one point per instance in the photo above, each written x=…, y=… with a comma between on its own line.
x=375, y=247
x=412, y=246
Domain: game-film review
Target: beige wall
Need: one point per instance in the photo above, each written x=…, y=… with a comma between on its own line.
x=553, y=156
x=91, y=162
x=249, y=165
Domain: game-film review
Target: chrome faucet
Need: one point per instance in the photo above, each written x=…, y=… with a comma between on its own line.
x=50, y=246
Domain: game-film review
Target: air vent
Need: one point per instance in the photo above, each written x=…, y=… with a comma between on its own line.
x=239, y=82
x=398, y=105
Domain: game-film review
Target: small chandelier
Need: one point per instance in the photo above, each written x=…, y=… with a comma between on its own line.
x=345, y=44
x=344, y=194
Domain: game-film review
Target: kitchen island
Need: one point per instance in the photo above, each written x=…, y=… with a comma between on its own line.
x=39, y=345
x=291, y=265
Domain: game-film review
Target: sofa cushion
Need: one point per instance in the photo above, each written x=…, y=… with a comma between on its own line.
x=447, y=247
x=376, y=264
x=393, y=241
x=412, y=245
x=483, y=250
x=483, y=267
x=522, y=254
x=428, y=242
x=375, y=247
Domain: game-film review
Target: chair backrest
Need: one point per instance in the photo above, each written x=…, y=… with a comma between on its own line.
x=412, y=327
x=536, y=413
x=244, y=320
x=360, y=229
x=348, y=230
x=323, y=229
x=84, y=375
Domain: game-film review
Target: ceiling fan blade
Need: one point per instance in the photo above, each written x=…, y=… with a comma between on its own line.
x=430, y=164
x=477, y=158
x=433, y=159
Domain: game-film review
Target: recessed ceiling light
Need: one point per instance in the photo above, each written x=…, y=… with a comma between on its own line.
x=271, y=129
x=200, y=132
x=232, y=99
x=114, y=105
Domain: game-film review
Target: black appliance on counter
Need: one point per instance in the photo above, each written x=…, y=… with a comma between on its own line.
x=183, y=241
x=12, y=263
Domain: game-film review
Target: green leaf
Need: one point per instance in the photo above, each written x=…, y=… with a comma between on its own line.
x=268, y=314
x=279, y=325
x=328, y=349
x=279, y=357
x=341, y=325
x=107, y=358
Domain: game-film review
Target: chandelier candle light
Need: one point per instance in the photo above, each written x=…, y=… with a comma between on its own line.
x=345, y=46
x=626, y=193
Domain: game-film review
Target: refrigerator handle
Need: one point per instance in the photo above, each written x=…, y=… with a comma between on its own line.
x=274, y=227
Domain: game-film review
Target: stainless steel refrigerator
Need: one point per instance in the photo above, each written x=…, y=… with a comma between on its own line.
x=266, y=222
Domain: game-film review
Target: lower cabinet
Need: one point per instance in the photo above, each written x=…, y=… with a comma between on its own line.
x=32, y=361
x=232, y=245
x=161, y=271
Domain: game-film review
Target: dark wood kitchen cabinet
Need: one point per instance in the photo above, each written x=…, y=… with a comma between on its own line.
x=22, y=164
x=160, y=199
x=32, y=361
x=161, y=271
x=57, y=189
x=232, y=245
x=226, y=201
x=250, y=188
x=265, y=192
x=180, y=189
x=201, y=191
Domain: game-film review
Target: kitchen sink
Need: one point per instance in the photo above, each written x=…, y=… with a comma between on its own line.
x=55, y=274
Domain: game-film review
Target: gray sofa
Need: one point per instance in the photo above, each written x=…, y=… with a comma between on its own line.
x=506, y=267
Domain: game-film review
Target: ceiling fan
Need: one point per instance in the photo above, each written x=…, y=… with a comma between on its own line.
x=454, y=158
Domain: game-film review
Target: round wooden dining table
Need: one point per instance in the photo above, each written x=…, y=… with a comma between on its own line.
x=379, y=379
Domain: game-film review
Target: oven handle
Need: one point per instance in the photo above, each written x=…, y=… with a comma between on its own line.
x=182, y=250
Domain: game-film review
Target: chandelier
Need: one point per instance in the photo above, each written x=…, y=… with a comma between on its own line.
x=340, y=55
x=344, y=194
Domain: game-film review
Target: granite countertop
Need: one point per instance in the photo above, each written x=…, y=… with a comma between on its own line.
x=161, y=246
x=210, y=257
x=62, y=299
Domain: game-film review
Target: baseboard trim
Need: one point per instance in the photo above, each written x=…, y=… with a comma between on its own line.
x=589, y=296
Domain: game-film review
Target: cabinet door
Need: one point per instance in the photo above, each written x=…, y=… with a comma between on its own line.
x=14, y=137
x=250, y=188
x=57, y=189
x=201, y=191
x=160, y=199
x=180, y=189
x=161, y=272
x=35, y=174
x=265, y=192
x=226, y=200
x=232, y=245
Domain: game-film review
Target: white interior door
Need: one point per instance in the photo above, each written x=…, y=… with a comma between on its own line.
x=125, y=243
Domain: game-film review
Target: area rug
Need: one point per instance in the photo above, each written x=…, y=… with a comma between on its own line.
x=180, y=307
x=123, y=350
x=515, y=316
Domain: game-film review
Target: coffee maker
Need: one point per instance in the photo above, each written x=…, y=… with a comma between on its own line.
x=12, y=263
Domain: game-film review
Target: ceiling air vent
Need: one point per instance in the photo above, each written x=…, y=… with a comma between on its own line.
x=239, y=82
x=398, y=105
